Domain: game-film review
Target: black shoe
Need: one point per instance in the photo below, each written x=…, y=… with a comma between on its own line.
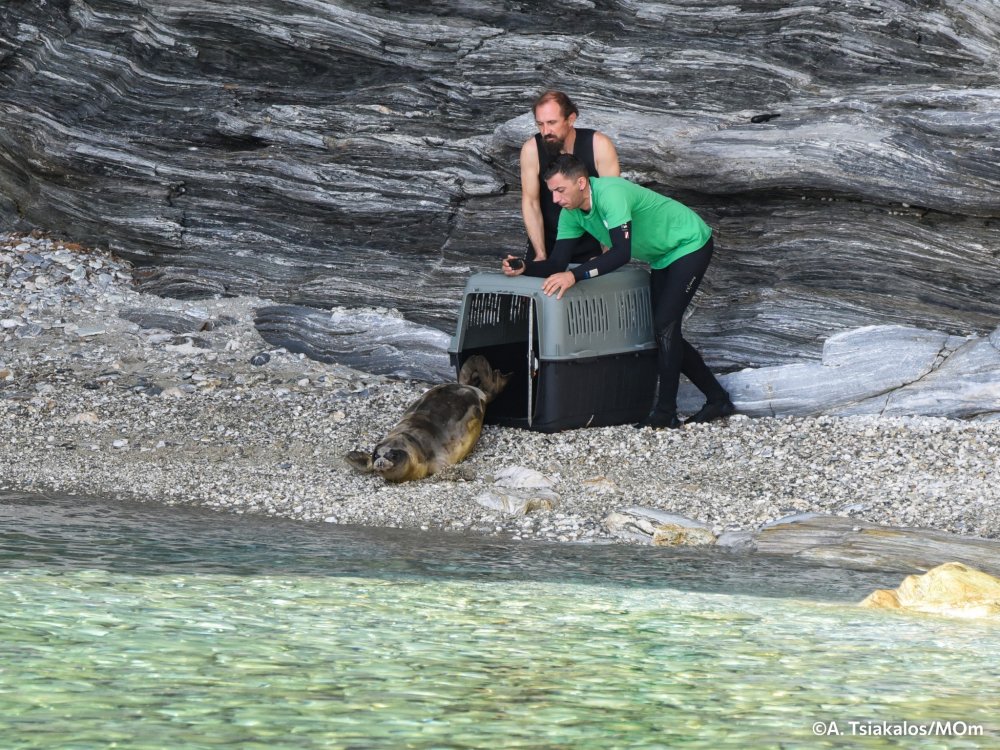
x=711, y=411
x=659, y=420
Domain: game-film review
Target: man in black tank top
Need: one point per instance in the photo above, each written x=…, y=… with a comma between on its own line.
x=555, y=115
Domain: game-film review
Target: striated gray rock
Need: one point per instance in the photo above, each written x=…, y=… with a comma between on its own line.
x=889, y=370
x=852, y=543
x=372, y=340
x=347, y=153
x=966, y=385
x=167, y=321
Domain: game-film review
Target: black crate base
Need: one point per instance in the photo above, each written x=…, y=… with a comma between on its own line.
x=593, y=392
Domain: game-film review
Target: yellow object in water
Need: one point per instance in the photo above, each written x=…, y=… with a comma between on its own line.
x=951, y=589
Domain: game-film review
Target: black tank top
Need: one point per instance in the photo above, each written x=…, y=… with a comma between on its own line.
x=583, y=149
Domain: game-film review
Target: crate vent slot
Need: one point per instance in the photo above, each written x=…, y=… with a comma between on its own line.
x=497, y=309
x=634, y=311
x=586, y=317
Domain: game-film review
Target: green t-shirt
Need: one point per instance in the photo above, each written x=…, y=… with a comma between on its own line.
x=663, y=230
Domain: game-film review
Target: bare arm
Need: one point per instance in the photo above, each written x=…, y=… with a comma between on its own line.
x=531, y=199
x=605, y=157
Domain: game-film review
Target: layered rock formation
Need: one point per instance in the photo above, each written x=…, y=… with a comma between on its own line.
x=884, y=370
x=347, y=153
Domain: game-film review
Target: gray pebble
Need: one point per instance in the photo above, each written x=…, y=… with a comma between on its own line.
x=224, y=433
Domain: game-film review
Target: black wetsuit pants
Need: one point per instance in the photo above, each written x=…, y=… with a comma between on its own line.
x=671, y=290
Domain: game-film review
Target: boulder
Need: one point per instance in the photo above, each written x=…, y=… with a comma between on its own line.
x=886, y=370
x=512, y=502
x=853, y=543
x=656, y=527
x=518, y=490
x=950, y=589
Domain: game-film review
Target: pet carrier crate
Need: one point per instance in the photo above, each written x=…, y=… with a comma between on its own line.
x=587, y=360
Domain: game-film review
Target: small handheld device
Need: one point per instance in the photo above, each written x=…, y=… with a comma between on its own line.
x=516, y=264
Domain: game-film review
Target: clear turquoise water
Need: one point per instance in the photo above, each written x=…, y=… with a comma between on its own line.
x=152, y=627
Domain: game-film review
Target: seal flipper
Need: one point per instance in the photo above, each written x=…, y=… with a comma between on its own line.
x=360, y=461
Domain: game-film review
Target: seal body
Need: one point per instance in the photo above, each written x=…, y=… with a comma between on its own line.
x=439, y=429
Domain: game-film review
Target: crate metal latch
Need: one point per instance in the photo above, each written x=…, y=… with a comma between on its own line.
x=532, y=362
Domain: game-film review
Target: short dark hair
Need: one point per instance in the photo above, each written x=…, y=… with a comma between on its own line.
x=565, y=103
x=568, y=166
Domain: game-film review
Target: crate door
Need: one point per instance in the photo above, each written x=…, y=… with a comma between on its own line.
x=499, y=326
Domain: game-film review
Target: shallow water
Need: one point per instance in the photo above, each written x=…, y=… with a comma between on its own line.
x=153, y=627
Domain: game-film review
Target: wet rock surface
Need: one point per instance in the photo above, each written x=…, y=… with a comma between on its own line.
x=364, y=154
x=95, y=402
x=850, y=542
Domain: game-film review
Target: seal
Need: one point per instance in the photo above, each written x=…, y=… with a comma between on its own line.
x=439, y=429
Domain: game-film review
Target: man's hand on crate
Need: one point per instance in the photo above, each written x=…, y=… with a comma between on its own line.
x=558, y=283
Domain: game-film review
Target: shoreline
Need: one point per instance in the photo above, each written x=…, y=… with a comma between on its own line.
x=96, y=399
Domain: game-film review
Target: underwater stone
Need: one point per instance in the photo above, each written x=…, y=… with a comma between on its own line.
x=950, y=589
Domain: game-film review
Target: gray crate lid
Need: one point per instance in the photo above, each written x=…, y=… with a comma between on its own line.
x=609, y=314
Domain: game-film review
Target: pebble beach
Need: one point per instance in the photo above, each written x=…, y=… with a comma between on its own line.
x=106, y=391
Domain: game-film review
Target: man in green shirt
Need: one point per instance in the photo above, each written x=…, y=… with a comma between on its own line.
x=636, y=222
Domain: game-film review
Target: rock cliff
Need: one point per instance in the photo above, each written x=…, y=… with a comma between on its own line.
x=346, y=153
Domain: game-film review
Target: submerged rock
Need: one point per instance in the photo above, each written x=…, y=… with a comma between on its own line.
x=951, y=589
x=849, y=542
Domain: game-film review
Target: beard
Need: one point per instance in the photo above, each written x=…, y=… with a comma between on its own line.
x=553, y=146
